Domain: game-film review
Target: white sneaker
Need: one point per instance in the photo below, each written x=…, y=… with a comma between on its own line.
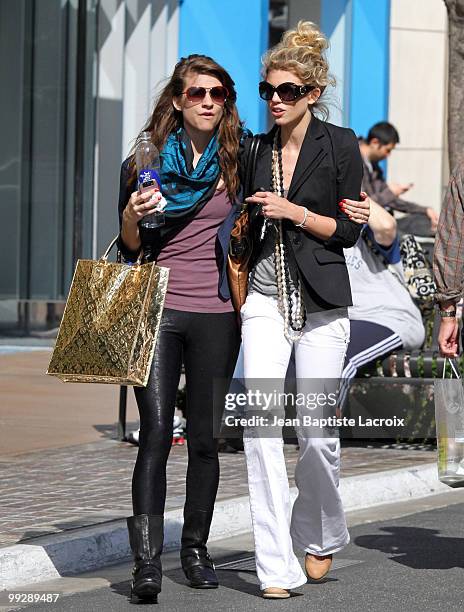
x=133, y=437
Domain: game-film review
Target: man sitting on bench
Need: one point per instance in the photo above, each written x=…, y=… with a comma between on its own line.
x=378, y=145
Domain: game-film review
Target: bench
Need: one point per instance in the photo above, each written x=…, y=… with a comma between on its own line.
x=414, y=368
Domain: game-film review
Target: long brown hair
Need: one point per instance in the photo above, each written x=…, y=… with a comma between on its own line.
x=166, y=119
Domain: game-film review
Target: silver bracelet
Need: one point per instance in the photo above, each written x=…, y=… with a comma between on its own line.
x=306, y=213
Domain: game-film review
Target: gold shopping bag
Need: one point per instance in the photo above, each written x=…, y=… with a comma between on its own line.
x=110, y=324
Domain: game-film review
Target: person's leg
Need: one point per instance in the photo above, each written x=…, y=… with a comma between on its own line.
x=156, y=404
x=266, y=355
x=234, y=443
x=368, y=341
x=318, y=521
x=211, y=348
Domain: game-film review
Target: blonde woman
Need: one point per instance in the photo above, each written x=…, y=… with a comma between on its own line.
x=299, y=292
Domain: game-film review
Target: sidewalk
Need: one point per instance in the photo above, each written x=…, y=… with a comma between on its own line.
x=64, y=502
x=56, y=490
x=39, y=411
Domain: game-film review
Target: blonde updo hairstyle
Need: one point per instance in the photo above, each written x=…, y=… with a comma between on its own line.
x=302, y=51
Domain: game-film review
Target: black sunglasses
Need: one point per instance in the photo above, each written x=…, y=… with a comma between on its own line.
x=287, y=92
x=218, y=94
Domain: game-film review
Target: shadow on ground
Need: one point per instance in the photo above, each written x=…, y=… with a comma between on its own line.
x=416, y=547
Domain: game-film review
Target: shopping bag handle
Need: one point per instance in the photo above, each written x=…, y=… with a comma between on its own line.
x=111, y=245
x=454, y=368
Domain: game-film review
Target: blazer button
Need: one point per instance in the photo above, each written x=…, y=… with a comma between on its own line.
x=296, y=240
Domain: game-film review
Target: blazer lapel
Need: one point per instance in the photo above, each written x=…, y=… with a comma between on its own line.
x=311, y=154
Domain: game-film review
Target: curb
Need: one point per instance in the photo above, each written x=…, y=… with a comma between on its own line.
x=89, y=548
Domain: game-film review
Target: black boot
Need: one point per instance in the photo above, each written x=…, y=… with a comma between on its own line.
x=146, y=542
x=197, y=564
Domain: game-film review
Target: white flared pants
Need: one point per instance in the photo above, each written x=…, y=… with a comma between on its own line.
x=316, y=524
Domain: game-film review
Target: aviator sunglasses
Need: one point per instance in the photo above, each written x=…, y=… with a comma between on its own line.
x=287, y=92
x=218, y=94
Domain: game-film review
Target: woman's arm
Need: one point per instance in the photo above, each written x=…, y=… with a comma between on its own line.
x=339, y=231
x=321, y=226
x=275, y=207
x=130, y=249
x=132, y=207
x=382, y=224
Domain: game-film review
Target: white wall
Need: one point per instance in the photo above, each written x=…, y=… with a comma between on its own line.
x=137, y=50
x=151, y=52
x=417, y=104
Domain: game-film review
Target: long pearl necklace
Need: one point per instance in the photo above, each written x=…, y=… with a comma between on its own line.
x=290, y=302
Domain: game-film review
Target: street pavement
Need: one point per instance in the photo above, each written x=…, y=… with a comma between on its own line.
x=56, y=490
x=62, y=466
x=402, y=557
x=62, y=469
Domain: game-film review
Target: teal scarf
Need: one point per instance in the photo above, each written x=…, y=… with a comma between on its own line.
x=186, y=188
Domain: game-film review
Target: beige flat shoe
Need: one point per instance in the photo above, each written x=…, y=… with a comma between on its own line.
x=275, y=593
x=317, y=567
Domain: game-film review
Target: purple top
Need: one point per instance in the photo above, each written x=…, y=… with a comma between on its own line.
x=191, y=256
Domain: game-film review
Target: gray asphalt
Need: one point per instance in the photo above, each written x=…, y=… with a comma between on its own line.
x=408, y=563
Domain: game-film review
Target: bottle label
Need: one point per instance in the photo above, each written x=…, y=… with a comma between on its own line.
x=148, y=177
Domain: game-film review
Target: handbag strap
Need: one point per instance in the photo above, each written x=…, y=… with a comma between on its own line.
x=251, y=166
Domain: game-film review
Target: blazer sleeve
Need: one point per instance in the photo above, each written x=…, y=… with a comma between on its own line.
x=125, y=190
x=349, y=179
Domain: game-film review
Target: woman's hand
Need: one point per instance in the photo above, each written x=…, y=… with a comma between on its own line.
x=140, y=205
x=275, y=207
x=357, y=211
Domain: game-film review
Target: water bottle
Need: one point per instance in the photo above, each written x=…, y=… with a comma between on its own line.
x=147, y=160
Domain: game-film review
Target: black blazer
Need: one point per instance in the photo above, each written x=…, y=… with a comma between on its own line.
x=329, y=169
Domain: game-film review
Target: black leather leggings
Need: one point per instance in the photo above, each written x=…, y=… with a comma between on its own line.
x=208, y=344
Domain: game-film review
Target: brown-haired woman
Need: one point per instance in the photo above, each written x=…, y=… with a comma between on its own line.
x=196, y=127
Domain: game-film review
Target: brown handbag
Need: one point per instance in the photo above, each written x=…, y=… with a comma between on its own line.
x=241, y=243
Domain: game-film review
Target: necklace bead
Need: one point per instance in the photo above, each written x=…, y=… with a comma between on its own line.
x=290, y=304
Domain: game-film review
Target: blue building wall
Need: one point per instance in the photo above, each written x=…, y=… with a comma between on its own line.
x=336, y=25
x=359, y=33
x=235, y=34
x=369, y=63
